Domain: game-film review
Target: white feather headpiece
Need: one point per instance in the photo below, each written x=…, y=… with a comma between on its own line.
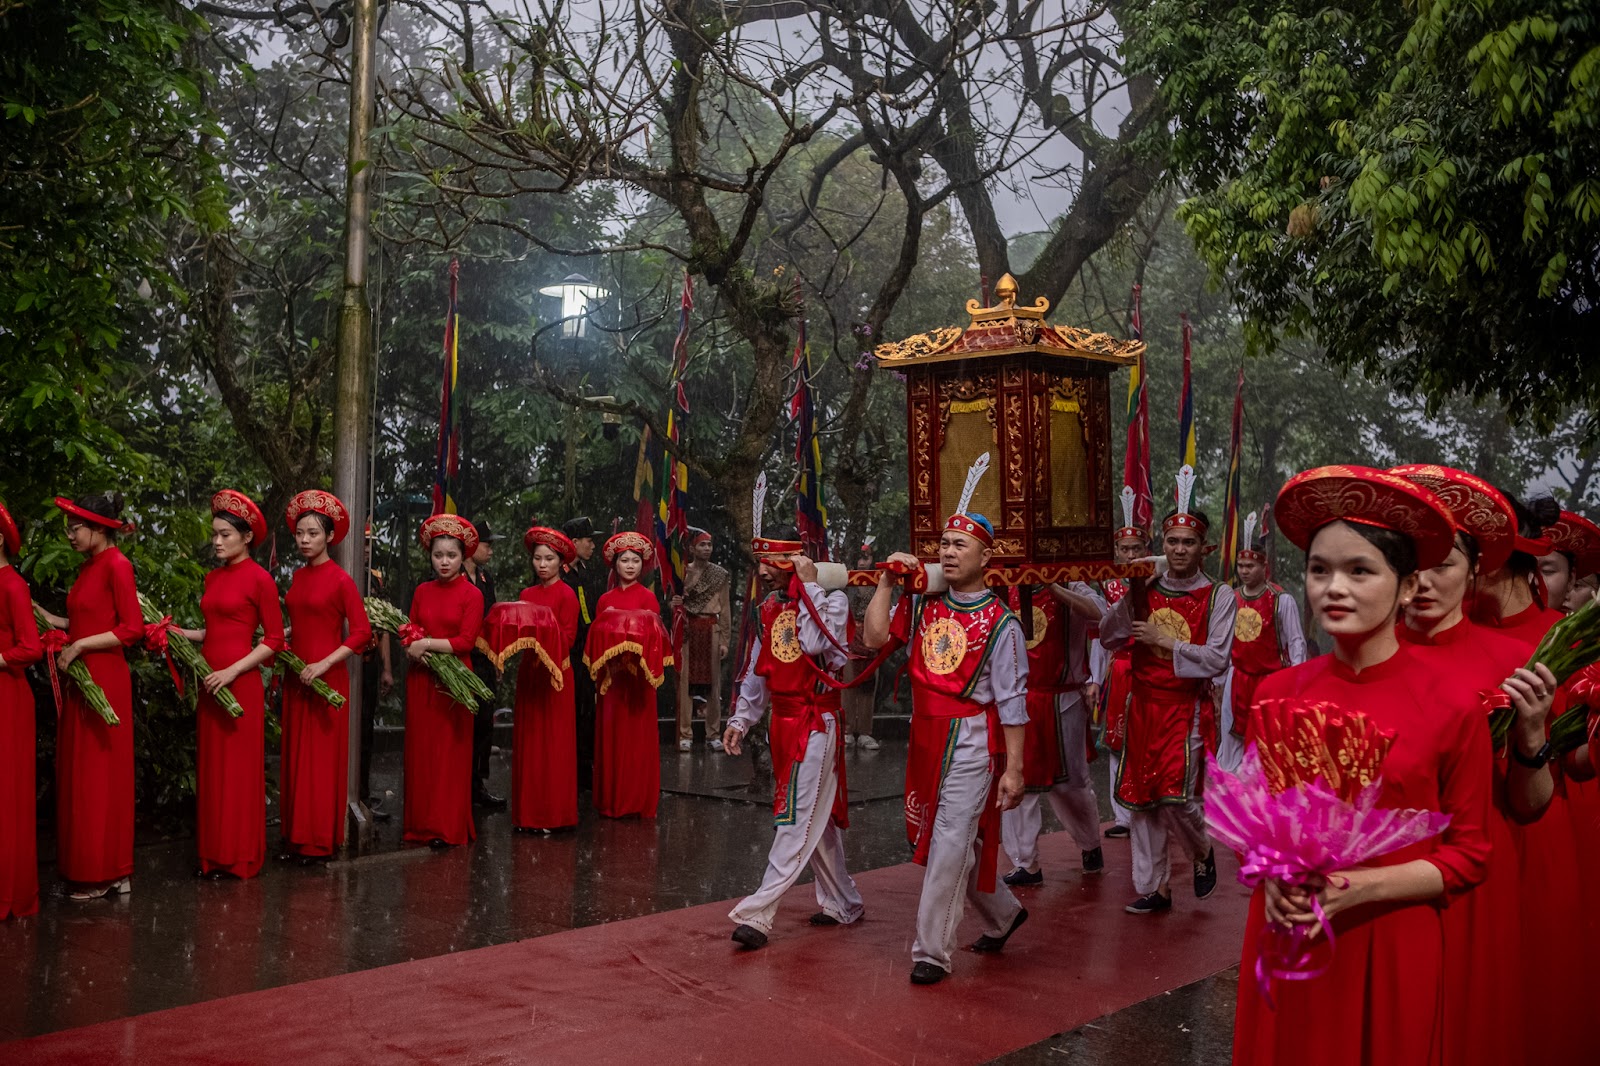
x=758, y=504
x=974, y=475
x=1185, y=488
x=1249, y=530
x=1129, y=500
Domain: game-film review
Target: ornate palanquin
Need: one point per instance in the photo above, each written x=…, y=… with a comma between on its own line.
x=1036, y=397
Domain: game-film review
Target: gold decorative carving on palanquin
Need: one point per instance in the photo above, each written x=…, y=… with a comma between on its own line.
x=1008, y=546
x=1016, y=447
x=923, y=344
x=922, y=433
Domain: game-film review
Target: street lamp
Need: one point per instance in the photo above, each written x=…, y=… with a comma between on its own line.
x=576, y=294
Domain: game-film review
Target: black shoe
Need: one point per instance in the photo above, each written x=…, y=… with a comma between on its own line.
x=749, y=937
x=438, y=843
x=484, y=798
x=287, y=856
x=926, y=973
x=1094, y=861
x=1020, y=878
x=1205, y=875
x=995, y=943
x=1154, y=903
x=823, y=918
x=1116, y=832
x=315, y=860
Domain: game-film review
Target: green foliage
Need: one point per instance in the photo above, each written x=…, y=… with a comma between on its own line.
x=1411, y=187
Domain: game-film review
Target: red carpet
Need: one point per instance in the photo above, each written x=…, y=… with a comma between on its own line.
x=671, y=988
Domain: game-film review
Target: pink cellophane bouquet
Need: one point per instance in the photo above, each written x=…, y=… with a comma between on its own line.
x=1303, y=806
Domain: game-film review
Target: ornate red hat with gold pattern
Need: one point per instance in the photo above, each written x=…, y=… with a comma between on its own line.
x=235, y=503
x=1360, y=494
x=1578, y=537
x=553, y=539
x=315, y=501
x=9, y=533
x=975, y=526
x=449, y=525
x=627, y=541
x=104, y=521
x=778, y=552
x=1477, y=507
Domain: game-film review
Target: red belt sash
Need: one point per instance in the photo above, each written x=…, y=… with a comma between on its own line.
x=933, y=745
x=794, y=719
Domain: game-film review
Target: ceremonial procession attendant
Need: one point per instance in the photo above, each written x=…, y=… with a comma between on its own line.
x=377, y=680
x=707, y=625
x=627, y=762
x=969, y=698
x=1555, y=970
x=94, y=761
x=1482, y=930
x=588, y=579
x=446, y=614
x=1266, y=638
x=19, y=646
x=859, y=702
x=797, y=646
x=230, y=753
x=1379, y=997
x=1056, y=746
x=327, y=628
x=1179, y=628
x=544, y=777
x=1111, y=673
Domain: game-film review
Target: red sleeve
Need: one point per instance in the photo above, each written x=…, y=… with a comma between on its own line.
x=355, y=613
x=1465, y=786
x=900, y=623
x=270, y=612
x=471, y=622
x=125, y=600
x=19, y=607
x=567, y=617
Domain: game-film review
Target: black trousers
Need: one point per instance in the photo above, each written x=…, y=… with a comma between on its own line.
x=371, y=671
x=483, y=723
x=583, y=697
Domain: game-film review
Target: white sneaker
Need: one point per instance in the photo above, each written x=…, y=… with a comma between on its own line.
x=685, y=745
x=849, y=741
x=866, y=744
x=715, y=744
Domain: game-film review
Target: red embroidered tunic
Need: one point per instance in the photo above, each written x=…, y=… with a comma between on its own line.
x=798, y=702
x=230, y=753
x=1118, y=683
x=19, y=646
x=321, y=602
x=627, y=745
x=438, y=757
x=1043, y=764
x=544, y=740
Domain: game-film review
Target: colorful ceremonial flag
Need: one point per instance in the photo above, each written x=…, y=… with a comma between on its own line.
x=447, y=455
x=1230, y=523
x=1186, y=401
x=1265, y=532
x=644, y=486
x=811, y=516
x=672, y=523
x=1136, y=459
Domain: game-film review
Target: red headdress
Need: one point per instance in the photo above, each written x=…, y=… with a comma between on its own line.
x=697, y=536
x=449, y=525
x=104, y=521
x=235, y=503
x=1477, y=507
x=1578, y=537
x=627, y=541
x=9, y=533
x=553, y=539
x=1181, y=516
x=1360, y=494
x=315, y=501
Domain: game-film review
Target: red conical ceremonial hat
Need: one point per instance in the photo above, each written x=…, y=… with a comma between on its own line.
x=1476, y=506
x=553, y=539
x=1360, y=494
x=1578, y=537
x=104, y=521
x=449, y=525
x=233, y=502
x=9, y=533
x=627, y=541
x=316, y=501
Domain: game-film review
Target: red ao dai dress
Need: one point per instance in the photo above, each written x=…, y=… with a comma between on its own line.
x=438, y=757
x=19, y=851
x=94, y=761
x=1381, y=1001
x=544, y=771
x=230, y=755
x=627, y=746
x=322, y=600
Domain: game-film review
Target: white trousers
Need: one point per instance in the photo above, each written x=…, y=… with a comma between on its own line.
x=1123, y=816
x=1230, y=749
x=1072, y=800
x=1148, y=833
x=811, y=837
x=952, y=872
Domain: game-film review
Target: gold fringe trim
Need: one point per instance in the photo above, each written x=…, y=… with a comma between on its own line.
x=967, y=407
x=519, y=645
x=1064, y=406
x=627, y=647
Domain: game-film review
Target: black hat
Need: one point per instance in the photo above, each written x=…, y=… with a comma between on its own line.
x=485, y=533
x=578, y=528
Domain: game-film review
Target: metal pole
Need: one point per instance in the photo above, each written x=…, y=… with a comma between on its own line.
x=353, y=383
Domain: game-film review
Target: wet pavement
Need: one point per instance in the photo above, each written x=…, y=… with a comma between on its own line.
x=177, y=940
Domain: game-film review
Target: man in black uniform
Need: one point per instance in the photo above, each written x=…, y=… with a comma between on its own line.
x=588, y=578
x=377, y=678
x=483, y=721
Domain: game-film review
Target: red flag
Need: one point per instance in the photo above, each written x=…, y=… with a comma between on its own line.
x=447, y=455
x=1136, y=459
x=1230, y=522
